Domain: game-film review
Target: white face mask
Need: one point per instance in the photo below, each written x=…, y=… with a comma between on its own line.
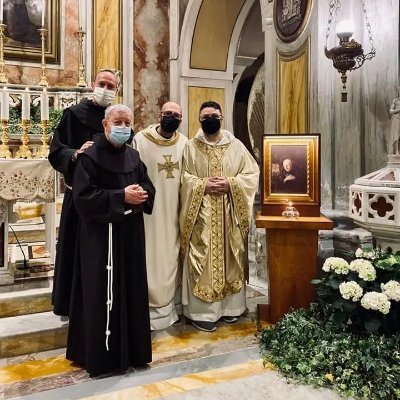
x=102, y=96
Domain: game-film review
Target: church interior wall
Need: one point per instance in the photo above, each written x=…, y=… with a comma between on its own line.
x=160, y=61
x=65, y=73
x=353, y=134
x=107, y=29
x=151, y=60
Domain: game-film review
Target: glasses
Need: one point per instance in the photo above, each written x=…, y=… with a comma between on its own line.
x=206, y=116
x=170, y=114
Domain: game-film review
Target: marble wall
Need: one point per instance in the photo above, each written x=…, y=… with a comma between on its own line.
x=107, y=35
x=353, y=134
x=151, y=60
x=65, y=74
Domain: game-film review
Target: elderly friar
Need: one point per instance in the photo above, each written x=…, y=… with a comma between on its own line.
x=109, y=327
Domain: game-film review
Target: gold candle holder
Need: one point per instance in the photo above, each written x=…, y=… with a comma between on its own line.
x=3, y=78
x=43, y=150
x=43, y=79
x=81, y=69
x=23, y=150
x=4, y=148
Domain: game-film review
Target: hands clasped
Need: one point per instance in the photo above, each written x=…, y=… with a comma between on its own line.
x=217, y=186
x=134, y=194
x=289, y=178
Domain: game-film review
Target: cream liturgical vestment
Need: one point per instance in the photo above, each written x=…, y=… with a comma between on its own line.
x=214, y=228
x=163, y=158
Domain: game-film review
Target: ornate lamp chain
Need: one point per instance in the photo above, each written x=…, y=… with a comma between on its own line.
x=333, y=5
x=372, y=53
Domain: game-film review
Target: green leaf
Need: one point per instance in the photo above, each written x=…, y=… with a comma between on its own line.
x=340, y=317
x=372, y=324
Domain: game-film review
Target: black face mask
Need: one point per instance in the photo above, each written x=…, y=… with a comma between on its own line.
x=211, y=125
x=169, y=124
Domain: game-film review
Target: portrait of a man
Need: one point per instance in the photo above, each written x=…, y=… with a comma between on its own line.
x=289, y=169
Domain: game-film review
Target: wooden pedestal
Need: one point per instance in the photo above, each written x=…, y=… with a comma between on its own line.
x=292, y=262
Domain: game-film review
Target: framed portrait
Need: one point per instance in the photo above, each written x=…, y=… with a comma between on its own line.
x=23, y=19
x=291, y=172
x=290, y=18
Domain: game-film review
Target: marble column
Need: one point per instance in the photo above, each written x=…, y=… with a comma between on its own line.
x=151, y=60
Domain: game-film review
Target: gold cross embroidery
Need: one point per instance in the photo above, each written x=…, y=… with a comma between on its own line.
x=168, y=166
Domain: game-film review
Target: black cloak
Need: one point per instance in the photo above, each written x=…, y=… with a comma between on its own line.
x=100, y=176
x=78, y=124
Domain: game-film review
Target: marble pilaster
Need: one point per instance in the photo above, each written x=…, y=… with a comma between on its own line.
x=151, y=60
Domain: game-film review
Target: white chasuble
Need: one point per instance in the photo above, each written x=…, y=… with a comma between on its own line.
x=214, y=229
x=163, y=159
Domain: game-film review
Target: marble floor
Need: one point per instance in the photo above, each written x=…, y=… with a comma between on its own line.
x=187, y=364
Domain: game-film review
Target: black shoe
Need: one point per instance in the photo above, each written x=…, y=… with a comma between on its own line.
x=205, y=326
x=230, y=320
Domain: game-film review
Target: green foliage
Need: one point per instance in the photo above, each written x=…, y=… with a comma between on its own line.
x=15, y=119
x=308, y=348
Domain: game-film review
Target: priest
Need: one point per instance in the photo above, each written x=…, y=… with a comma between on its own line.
x=161, y=146
x=219, y=181
x=109, y=328
x=72, y=137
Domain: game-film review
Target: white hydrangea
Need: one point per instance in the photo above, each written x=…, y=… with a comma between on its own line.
x=351, y=290
x=336, y=264
x=376, y=301
x=371, y=254
x=366, y=271
x=391, y=290
x=359, y=253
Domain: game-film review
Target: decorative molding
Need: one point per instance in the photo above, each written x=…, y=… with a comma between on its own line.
x=291, y=17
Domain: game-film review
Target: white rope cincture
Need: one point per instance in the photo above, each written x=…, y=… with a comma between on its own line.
x=109, y=267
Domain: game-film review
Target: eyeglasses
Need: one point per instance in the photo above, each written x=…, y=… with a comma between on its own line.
x=206, y=116
x=170, y=114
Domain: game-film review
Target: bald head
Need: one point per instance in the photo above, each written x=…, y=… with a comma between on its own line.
x=170, y=118
x=172, y=106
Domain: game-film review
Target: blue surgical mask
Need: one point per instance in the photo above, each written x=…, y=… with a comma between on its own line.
x=119, y=135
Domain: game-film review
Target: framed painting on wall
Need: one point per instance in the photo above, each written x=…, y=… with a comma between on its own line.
x=291, y=172
x=290, y=18
x=23, y=19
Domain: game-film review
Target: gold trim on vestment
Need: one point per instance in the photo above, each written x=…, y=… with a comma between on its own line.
x=219, y=287
x=191, y=216
x=170, y=142
x=240, y=207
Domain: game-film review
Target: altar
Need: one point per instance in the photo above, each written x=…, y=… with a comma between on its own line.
x=27, y=180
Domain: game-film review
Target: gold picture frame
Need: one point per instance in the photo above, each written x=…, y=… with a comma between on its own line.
x=22, y=37
x=291, y=173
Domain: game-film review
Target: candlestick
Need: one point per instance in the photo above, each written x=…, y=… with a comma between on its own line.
x=80, y=15
x=43, y=79
x=5, y=101
x=44, y=105
x=23, y=149
x=43, y=12
x=81, y=68
x=3, y=78
x=26, y=104
x=43, y=150
x=4, y=147
x=1, y=11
